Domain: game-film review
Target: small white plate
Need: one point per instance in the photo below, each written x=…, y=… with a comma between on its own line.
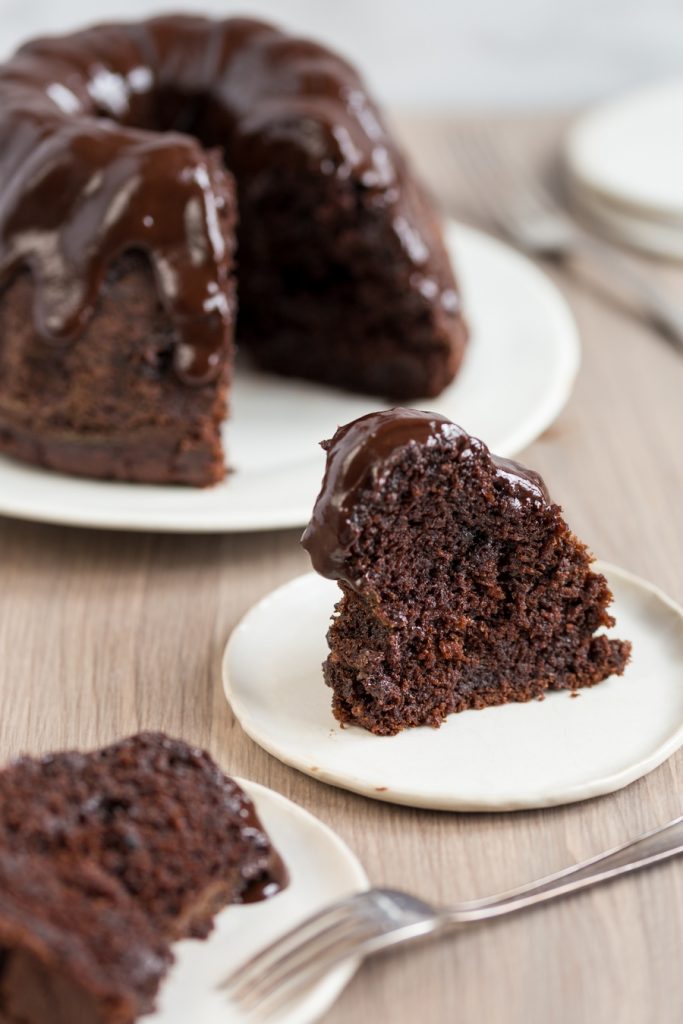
x=628, y=151
x=619, y=223
x=518, y=373
x=322, y=869
x=555, y=751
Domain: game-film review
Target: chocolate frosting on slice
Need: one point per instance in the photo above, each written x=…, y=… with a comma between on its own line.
x=362, y=449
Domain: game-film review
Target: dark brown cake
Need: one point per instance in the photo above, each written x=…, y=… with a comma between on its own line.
x=107, y=857
x=462, y=584
x=74, y=946
x=155, y=814
x=117, y=234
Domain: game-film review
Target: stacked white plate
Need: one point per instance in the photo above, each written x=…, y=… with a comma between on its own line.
x=625, y=163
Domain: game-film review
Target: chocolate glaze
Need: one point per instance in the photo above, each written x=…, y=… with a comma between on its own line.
x=276, y=878
x=93, y=162
x=265, y=887
x=363, y=448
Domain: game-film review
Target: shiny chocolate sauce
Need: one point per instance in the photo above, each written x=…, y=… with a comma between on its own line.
x=271, y=880
x=361, y=449
x=266, y=886
x=100, y=152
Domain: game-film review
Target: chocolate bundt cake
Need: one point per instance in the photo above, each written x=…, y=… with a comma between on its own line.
x=462, y=585
x=74, y=946
x=128, y=153
x=154, y=813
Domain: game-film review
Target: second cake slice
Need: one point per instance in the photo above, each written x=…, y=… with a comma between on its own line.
x=462, y=585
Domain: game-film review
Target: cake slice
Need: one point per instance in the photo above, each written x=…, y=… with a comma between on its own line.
x=105, y=859
x=462, y=585
x=156, y=815
x=74, y=946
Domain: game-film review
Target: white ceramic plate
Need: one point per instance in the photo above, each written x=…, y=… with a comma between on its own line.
x=555, y=751
x=620, y=223
x=519, y=370
x=322, y=869
x=629, y=152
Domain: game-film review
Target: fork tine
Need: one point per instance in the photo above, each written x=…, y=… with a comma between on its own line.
x=269, y=971
x=502, y=180
x=354, y=927
x=478, y=162
x=497, y=190
x=370, y=936
x=518, y=172
x=517, y=202
x=293, y=975
x=296, y=943
x=280, y=946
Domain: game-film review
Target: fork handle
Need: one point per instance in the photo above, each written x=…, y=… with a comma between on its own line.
x=655, y=305
x=650, y=848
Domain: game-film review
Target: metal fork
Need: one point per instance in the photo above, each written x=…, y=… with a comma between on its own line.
x=523, y=209
x=354, y=928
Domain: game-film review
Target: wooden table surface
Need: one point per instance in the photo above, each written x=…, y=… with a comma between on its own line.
x=102, y=634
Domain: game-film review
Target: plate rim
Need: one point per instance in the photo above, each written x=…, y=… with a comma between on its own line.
x=574, y=147
x=294, y=515
x=576, y=793
x=658, y=238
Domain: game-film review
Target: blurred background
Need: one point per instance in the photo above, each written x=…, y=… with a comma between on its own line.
x=502, y=54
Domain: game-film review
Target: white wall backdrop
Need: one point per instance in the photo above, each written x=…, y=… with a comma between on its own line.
x=462, y=53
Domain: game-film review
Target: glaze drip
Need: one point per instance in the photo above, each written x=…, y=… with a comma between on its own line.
x=269, y=883
x=363, y=449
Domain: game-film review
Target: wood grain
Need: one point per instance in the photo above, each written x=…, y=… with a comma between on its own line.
x=102, y=634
